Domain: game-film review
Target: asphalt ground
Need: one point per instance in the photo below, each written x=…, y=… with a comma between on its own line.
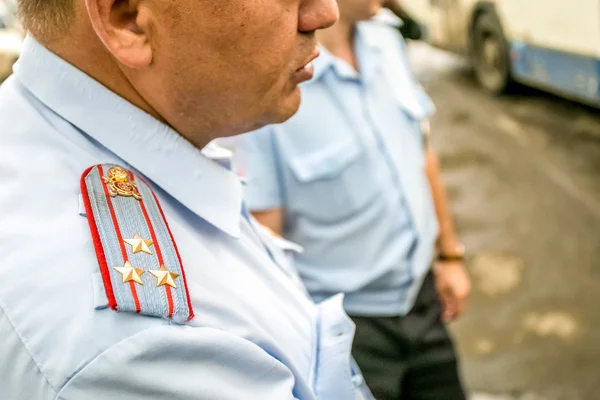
x=523, y=173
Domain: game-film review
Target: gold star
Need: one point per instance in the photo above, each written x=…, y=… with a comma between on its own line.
x=165, y=277
x=138, y=244
x=130, y=273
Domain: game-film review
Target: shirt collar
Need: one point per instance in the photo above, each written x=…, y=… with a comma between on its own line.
x=202, y=185
x=327, y=61
x=367, y=49
x=322, y=64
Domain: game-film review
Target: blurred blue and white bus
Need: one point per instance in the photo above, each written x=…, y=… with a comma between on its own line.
x=550, y=44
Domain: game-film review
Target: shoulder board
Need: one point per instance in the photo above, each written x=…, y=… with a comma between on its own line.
x=140, y=265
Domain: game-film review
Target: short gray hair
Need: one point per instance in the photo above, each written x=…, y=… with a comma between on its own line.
x=46, y=19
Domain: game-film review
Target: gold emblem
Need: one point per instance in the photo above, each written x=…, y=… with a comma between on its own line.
x=138, y=244
x=119, y=184
x=130, y=273
x=165, y=277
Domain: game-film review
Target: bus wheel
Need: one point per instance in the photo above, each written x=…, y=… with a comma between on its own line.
x=490, y=53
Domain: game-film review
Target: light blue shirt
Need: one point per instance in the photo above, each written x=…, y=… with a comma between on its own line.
x=256, y=333
x=349, y=171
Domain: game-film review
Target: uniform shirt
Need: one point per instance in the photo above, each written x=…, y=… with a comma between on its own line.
x=348, y=169
x=256, y=334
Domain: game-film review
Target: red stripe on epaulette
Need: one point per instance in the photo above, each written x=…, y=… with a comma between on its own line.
x=113, y=216
x=187, y=292
x=112, y=204
x=157, y=248
x=112, y=302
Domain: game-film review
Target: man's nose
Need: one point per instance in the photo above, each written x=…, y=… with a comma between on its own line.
x=317, y=14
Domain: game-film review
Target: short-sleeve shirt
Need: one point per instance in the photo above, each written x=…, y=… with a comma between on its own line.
x=349, y=171
x=256, y=333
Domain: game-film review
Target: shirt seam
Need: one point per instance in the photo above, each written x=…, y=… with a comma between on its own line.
x=77, y=130
x=25, y=346
x=81, y=368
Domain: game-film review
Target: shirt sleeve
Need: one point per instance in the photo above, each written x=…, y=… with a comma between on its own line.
x=183, y=363
x=426, y=107
x=257, y=161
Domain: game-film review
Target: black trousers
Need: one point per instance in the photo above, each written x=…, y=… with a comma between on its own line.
x=410, y=357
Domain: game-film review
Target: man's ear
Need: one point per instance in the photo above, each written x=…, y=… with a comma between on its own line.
x=124, y=27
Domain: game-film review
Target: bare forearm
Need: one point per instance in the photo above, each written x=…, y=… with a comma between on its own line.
x=452, y=280
x=272, y=219
x=447, y=240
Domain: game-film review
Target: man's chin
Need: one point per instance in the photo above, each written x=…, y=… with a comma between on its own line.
x=284, y=110
x=287, y=108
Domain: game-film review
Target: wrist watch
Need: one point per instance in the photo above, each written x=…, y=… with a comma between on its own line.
x=458, y=254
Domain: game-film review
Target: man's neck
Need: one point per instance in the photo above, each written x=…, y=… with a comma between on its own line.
x=94, y=60
x=339, y=41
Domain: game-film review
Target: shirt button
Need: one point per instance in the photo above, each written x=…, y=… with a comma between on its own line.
x=358, y=380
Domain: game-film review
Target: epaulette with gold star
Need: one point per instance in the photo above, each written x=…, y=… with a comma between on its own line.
x=140, y=265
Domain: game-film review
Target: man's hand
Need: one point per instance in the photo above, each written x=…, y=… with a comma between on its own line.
x=453, y=287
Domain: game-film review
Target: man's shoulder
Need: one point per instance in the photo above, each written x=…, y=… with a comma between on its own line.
x=51, y=288
x=27, y=122
x=388, y=18
x=49, y=277
x=39, y=175
x=382, y=31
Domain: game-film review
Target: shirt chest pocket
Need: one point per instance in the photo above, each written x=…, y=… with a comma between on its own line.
x=330, y=183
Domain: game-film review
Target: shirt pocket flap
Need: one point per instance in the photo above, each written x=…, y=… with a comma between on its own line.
x=279, y=241
x=286, y=245
x=324, y=163
x=418, y=106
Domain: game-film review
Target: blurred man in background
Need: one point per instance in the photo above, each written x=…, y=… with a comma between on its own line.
x=353, y=179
